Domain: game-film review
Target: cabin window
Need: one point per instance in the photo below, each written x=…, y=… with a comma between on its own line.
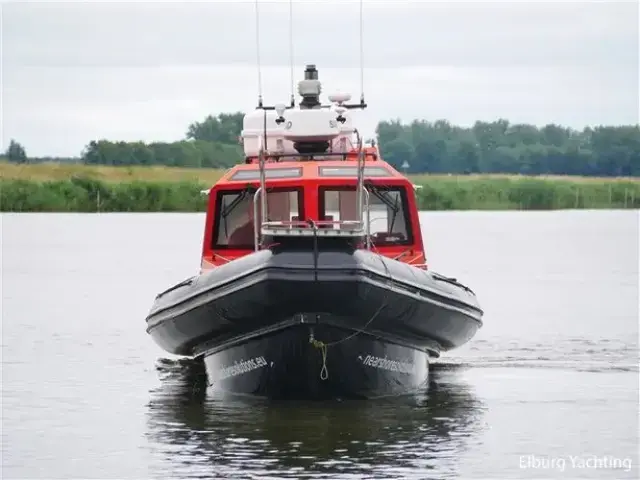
x=369, y=171
x=388, y=217
x=269, y=173
x=234, y=221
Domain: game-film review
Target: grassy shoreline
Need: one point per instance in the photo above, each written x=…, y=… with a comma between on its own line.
x=57, y=187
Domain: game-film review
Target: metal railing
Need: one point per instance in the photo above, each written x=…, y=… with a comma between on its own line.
x=256, y=226
x=322, y=228
x=304, y=228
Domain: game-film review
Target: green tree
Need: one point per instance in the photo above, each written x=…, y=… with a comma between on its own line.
x=16, y=152
x=502, y=147
x=224, y=128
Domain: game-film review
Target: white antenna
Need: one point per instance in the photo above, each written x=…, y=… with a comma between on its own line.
x=293, y=99
x=258, y=56
x=361, y=55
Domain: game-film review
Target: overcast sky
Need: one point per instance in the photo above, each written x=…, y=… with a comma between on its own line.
x=78, y=71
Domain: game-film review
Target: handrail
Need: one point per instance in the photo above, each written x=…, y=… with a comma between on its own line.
x=354, y=227
x=360, y=184
x=320, y=156
x=301, y=223
x=346, y=228
x=301, y=227
x=263, y=186
x=256, y=229
x=368, y=227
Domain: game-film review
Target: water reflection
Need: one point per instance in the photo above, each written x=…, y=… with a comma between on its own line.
x=195, y=435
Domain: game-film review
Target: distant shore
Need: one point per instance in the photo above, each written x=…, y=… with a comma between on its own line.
x=56, y=187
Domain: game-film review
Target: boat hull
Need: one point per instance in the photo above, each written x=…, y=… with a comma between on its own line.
x=316, y=361
x=265, y=290
x=261, y=321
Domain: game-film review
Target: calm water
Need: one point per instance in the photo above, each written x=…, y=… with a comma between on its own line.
x=551, y=378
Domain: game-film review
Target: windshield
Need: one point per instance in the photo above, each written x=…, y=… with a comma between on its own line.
x=388, y=219
x=234, y=223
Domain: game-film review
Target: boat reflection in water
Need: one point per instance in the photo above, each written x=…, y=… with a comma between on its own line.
x=195, y=434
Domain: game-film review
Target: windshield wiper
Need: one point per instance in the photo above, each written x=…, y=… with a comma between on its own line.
x=384, y=196
x=395, y=209
x=229, y=208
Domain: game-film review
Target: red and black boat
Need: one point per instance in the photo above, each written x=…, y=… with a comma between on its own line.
x=313, y=279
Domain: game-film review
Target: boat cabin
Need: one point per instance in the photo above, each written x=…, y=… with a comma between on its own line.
x=312, y=201
x=305, y=182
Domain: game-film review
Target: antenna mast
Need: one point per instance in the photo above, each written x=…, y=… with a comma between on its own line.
x=258, y=56
x=293, y=99
x=361, y=55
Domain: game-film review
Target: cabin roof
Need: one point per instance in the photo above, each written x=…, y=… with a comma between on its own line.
x=318, y=170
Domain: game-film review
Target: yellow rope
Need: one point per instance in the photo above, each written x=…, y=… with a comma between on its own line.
x=324, y=373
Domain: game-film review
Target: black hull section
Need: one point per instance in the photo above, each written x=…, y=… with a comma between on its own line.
x=266, y=293
x=309, y=361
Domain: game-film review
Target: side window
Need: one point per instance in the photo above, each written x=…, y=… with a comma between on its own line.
x=234, y=218
x=234, y=223
x=387, y=218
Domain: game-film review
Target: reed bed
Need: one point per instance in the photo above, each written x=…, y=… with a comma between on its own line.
x=53, y=187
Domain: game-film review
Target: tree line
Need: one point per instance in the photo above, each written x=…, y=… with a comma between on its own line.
x=417, y=147
x=502, y=147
